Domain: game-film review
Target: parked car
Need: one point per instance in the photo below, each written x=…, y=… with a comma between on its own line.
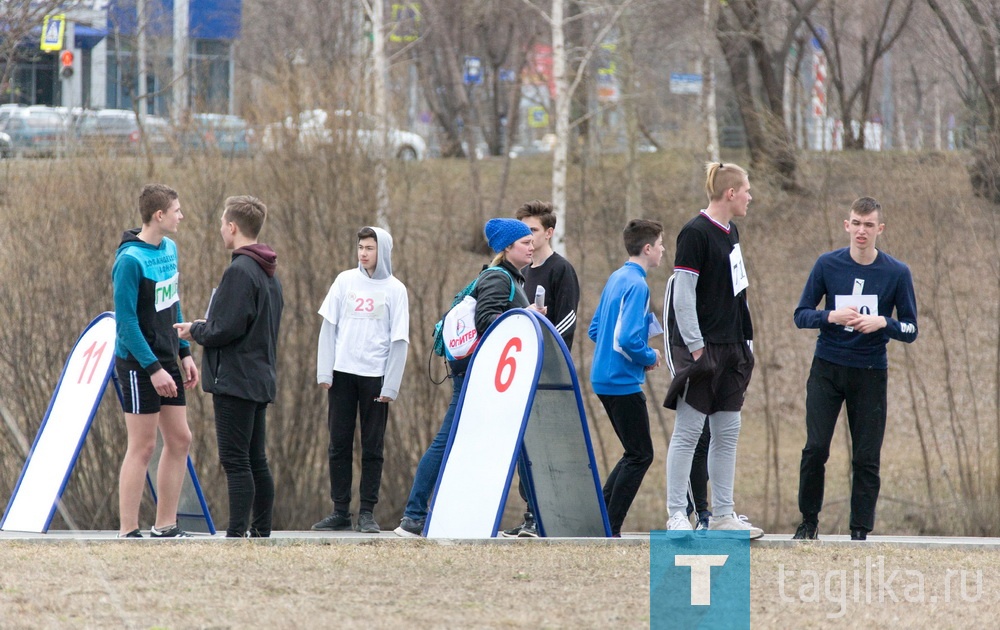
x=116, y=131
x=5, y=149
x=226, y=134
x=315, y=127
x=6, y=110
x=36, y=131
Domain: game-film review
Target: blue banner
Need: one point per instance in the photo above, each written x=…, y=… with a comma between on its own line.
x=209, y=19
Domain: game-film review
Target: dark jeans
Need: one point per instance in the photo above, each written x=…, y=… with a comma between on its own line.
x=699, y=473
x=349, y=395
x=864, y=391
x=425, y=479
x=630, y=420
x=241, y=433
x=522, y=470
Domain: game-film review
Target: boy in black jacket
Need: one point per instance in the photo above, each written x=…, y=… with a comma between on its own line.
x=240, y=336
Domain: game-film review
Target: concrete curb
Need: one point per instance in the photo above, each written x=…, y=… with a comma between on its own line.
x=283, y=538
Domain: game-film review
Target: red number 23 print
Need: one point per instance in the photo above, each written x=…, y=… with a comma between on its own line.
x=364, y=305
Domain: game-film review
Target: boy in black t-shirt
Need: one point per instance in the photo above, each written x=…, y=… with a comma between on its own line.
x=710, y=347
x=556, y=275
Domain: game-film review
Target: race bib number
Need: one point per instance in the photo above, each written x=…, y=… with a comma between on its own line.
x=738, y=269
x=365, y=304
x=866, y=304
x=166, y=294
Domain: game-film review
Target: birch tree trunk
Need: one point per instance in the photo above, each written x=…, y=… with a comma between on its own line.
x=562, y=98
x=708, y=87
x=378, y=83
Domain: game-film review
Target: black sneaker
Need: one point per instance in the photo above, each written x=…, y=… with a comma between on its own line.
x=704, y=518
x=806, y=531
x=170, y=532
x=513, y=532
x=528, y=530
x=409, y=528
x=135, y=533
x=367, y=524
x=859, y=534
x=335, y=522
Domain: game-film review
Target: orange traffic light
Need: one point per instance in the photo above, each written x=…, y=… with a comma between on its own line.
x=66, y=59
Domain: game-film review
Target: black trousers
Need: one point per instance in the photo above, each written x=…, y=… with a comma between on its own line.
x=240, y=428
x=829, y=387
x=351, y=396
x=630, y=419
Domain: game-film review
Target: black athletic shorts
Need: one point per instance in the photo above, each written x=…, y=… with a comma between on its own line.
x=717, y=381
x=138, y=394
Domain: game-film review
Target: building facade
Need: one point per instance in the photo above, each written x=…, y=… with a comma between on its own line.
x=105, y=37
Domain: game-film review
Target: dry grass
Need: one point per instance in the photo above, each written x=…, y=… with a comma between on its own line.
x=380, y=585
x=392, y=584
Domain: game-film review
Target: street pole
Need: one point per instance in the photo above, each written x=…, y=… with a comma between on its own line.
x=140, y=18
x=180, y=78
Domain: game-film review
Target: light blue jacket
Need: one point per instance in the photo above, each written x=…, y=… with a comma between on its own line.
x=620, y=329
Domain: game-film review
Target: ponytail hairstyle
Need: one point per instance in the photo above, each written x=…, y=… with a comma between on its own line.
x=721, y=177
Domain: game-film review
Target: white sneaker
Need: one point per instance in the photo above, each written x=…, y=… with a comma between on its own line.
x=734, y=523
x=679, y=522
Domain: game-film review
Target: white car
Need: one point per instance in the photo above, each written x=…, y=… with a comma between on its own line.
x=315, y=127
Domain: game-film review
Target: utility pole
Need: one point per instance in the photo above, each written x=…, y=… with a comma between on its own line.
x=180, y=78
x=140, y=20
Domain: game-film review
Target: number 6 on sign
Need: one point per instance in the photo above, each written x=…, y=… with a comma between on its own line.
x=507, y=361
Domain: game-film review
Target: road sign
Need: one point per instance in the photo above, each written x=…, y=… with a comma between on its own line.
x=685, y=83
x=53, y=29
x=538, y=117
x=473, y=71
x=405, y=22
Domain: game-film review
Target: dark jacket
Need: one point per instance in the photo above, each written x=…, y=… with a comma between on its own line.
x=240, y=335
x=493, y=298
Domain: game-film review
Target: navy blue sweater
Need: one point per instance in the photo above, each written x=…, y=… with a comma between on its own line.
x=835, y=274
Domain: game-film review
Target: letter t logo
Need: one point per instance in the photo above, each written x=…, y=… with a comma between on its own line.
x=701, y=575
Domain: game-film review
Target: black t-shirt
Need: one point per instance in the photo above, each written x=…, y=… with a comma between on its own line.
x=562, y=293
x=706, y=248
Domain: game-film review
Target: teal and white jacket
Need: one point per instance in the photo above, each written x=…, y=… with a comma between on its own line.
x=147, y=302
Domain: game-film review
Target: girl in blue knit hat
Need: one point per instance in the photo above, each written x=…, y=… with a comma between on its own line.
x=510, y=239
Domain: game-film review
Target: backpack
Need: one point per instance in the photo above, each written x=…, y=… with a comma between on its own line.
x=455, y=334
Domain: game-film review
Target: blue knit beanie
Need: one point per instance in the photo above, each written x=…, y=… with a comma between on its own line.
x=501, y=233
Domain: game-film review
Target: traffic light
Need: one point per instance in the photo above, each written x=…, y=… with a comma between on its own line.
x=66, y=60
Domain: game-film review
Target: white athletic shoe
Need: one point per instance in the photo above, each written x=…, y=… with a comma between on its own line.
x=734, y=523
x=679, y=522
